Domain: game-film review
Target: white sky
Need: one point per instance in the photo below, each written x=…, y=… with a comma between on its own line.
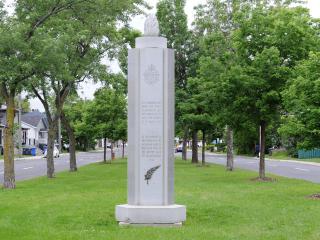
x=87, y=89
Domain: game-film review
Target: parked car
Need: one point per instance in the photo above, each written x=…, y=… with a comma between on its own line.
x=56, y=152
x=179, y=148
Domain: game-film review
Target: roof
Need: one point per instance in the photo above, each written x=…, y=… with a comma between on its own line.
x=33, y=118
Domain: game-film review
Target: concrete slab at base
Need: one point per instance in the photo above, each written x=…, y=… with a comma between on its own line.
x=123, y=224
x=134, y=214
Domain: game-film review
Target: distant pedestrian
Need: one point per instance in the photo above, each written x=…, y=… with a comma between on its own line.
x=257, y=150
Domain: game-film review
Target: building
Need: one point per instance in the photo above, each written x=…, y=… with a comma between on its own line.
x=34, y=126
x=34, y=129
x=3, y=119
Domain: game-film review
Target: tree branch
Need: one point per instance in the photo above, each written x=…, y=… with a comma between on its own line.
x=53, y=11
x=43, y=101
x=4, y=91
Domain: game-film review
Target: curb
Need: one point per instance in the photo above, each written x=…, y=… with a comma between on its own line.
x=295, y=161
x=33, y=158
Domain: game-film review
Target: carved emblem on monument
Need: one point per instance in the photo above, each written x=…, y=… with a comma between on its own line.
x=149, y=173
x=151, y=75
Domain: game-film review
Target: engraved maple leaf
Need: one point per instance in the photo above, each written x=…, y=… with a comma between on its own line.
x=150, y=172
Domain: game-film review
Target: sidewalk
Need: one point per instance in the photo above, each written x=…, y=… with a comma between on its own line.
x=294, y=161
x=33, y=157
x=269, y=159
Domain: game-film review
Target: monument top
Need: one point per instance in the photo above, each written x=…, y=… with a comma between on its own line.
x=151, y=26
x=151, y=38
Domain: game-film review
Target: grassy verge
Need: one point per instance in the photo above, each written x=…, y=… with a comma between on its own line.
x=310, y=160
x=220, y=205
x=283, y=155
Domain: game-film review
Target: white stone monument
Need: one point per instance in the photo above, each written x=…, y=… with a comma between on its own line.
x=151, y=133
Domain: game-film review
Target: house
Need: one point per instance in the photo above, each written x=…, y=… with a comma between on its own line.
x=34, y=126
x=3, y=119
x=34, y=129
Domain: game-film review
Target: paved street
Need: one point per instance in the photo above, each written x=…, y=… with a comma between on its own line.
x=30, y=168
x=297, y=170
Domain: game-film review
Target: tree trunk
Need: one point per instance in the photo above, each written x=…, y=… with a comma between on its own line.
x=105, y=150
x=72, y=143
x=9, y=176
x=262, y=174
x=203, y=160
x=184, y=143
x=85, y=145
x=123, y=149
x=229, y=149
x=112, y=153
x=50, y=147
x=194, y=146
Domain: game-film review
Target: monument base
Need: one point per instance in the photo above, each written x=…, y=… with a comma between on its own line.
x=150, y=215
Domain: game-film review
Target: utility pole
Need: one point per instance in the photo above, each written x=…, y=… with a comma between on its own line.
x=20, y=127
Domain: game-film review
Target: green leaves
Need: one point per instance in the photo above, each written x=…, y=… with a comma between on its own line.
x=302, y=100
x=108, y=114
x=248, y=50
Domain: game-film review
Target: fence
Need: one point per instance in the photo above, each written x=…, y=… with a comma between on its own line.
x=303, y=154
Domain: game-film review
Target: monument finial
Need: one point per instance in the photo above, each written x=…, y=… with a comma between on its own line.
x=151, y=26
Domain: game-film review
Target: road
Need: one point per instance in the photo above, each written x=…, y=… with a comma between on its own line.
x=305, y=171
x=30, y=168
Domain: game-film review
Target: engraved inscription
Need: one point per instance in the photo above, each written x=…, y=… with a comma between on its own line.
x=151, y=147
x=151, y=75
x=149, y=173
x=151, y=112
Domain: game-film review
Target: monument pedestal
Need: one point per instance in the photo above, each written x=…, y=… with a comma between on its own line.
x=135, y=214
x=151, y=134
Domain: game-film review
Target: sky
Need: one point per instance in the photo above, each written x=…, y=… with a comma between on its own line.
x=87, y=89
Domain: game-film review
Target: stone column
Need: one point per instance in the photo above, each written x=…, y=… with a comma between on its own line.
x=151, y=133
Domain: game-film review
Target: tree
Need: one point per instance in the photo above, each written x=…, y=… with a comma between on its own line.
x=121, y=132
x=174, y=26
x=229, y=148
x=19, y=37
x=108, y=116
x=80, y=39
x=270, y=43
x=16, y=69
x=72, y=141
x=302, y=100
x=25, y=105
x=76, y=111
x=215, y=22
x=246, y=58
x=199, y=114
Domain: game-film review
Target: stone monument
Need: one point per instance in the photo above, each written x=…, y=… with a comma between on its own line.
x=151, y=133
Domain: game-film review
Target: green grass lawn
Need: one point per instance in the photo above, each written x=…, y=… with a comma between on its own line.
x=220, y=205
